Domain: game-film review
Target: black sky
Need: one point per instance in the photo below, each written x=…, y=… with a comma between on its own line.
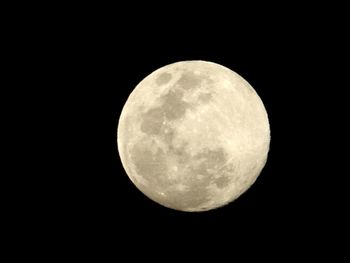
x=90, y=66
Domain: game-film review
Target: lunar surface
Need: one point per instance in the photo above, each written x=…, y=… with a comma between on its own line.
x=193, y=136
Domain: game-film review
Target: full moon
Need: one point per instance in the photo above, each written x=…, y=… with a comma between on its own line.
x=193, y=136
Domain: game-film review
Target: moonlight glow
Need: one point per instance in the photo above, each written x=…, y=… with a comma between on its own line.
x=193, y=136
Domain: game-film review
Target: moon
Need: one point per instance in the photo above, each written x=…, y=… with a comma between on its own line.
x=193, y=136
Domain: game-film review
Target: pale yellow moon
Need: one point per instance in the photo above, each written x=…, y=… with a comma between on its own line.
x=193, y=136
